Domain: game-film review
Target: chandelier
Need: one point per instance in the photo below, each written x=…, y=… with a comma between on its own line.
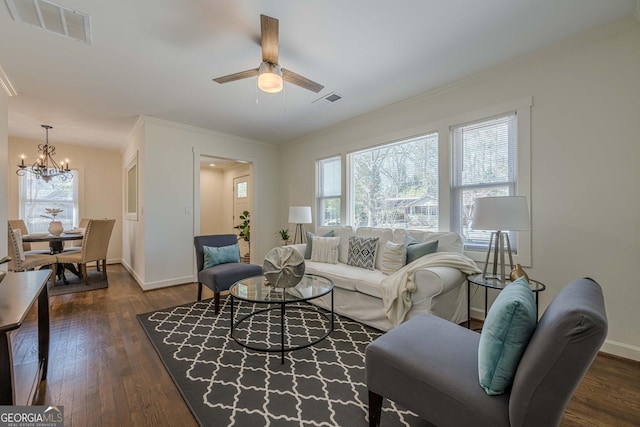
x=45, y=167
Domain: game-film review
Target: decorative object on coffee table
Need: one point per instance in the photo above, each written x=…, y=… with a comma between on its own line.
x=508, y=213
x=283, y=267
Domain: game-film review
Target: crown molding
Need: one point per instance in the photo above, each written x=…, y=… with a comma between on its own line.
x=6, y=83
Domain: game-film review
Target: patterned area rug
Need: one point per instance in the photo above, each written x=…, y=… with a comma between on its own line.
x=225, y=384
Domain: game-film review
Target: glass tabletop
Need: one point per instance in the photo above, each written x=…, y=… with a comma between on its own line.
x=256, y=289
x=497, y=284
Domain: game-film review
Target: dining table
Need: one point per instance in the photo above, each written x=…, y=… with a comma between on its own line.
x=56, y=246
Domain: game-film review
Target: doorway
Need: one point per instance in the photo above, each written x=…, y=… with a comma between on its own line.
x=219, y=206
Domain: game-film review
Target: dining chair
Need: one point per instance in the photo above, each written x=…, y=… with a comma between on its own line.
x=95, y=244
x=26, y=246
x=22, y=260
x=76, y=245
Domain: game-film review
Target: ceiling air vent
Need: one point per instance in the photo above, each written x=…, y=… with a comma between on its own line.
x=51, y=17
x=327, y=99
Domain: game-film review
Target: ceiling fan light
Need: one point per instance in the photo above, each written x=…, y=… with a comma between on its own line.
x=270, y=78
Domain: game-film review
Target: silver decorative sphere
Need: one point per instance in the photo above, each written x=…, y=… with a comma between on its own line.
x=283, y=267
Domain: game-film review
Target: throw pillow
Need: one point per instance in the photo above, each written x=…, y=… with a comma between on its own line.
x=325, y=249
x=417, y=250
x=309, y=248
x=506, y=332
x=17, y=233
x=220, y=255
x=393, y=256
x=362, y=251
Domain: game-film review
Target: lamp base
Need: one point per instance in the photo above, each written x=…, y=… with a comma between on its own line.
x=498, y=240
x=300, y=231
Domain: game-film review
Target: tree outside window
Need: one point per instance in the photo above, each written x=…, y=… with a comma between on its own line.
x=35, y=196
x=396, y=185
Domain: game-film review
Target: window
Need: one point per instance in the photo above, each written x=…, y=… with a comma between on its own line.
x=329, y=191
x=35, y=196
x=483, y=164
x=396, y=185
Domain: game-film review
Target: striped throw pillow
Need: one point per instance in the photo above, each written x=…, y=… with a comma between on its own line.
x=325, y=249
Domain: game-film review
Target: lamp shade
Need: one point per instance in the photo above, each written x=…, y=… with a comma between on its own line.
x=300, y=215
x=508, y=213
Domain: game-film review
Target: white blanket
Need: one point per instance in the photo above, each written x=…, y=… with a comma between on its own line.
x=397, y=288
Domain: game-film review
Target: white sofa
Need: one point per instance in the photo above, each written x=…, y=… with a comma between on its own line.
x=357, y=291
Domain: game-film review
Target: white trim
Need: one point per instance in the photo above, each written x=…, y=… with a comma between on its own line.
x=6, y=83
x=621, y=349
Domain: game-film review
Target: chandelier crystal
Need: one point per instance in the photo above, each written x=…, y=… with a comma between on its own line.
x=46, y=167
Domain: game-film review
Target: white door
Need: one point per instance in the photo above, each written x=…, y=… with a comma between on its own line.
x=241, y=189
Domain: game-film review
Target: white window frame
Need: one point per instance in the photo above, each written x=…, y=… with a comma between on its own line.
x=522, y=108
x=22, y=200
x=350, y=159
x=321, y=198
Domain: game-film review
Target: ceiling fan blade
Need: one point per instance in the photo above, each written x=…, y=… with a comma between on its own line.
x=269, y=30
x=298, y=80
x=237, y=76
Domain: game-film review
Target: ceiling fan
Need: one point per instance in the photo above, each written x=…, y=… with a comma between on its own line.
x=270, y=75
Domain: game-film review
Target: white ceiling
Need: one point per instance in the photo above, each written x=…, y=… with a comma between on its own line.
x=157, y=58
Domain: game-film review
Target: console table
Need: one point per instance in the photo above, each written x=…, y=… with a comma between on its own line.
x=18, y=292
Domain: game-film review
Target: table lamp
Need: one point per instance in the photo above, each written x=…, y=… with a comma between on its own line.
x=299, y=215
x=500, y=214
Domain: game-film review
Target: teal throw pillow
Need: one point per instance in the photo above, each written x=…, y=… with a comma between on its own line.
x=308, y=250
x=418, y=250
x=506, y=332
x=220, y=255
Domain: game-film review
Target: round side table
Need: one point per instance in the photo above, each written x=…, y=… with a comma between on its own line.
x=491, y=283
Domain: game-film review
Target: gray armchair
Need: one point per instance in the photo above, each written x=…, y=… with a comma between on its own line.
x=220, y=277
x=430, y=366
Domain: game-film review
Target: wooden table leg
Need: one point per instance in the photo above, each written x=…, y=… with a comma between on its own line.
x=6, y=371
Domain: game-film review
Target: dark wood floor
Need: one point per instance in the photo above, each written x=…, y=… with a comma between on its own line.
x=105, y=372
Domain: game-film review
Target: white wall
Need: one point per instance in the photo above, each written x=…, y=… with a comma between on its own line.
x=133, y=244
x=585, y=145
x=168, y=195
x=99, y=183
x=4, y=169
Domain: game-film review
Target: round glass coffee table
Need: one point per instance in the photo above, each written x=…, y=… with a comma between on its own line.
x=285, y=309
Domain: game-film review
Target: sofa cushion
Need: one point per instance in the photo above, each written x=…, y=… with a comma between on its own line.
x=343, y=232
x=362, y=251
x=215, y=255
x=384, y=235
x=325, y=249
x=309, y=248
x=348, y=277
x=448, y=241
x=505, y=334
x=418, y=250
x=393, y=257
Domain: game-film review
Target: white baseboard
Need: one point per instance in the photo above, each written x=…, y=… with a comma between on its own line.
x=148, y=286
x=621, y=349
x=611, y=347
x=166, y=283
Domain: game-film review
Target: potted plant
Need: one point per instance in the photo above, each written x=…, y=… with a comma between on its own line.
x=244, y=229
x=284, y=235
